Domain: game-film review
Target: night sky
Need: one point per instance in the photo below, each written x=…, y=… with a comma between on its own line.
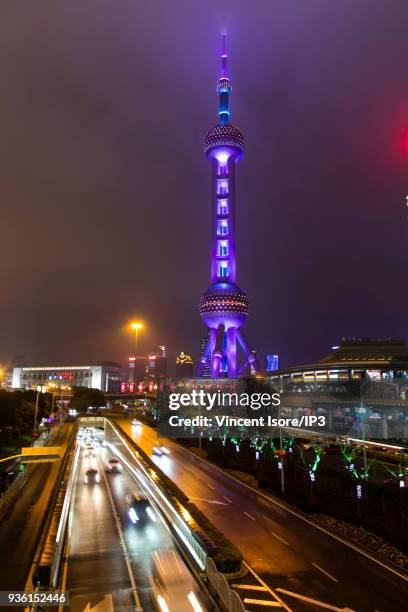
x=105, y=191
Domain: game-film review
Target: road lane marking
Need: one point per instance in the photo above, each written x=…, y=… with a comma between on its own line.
x=210, y=501
x=250, y=516
x=316, y=602
x=122, y=541
x=268, y=588
x=275, y=535
x=210, y=486
x=324, y=572
x=227, y=498
x=292, y=511
x=249, y=587
x=262, y=602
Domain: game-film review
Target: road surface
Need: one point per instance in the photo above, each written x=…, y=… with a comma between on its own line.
x=287, y=552
x=20, y=527
x=106, y=554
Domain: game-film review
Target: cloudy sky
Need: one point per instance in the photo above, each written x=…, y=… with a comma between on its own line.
x=105, y=192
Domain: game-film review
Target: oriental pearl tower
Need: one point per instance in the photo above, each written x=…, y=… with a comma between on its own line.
x=224, y=306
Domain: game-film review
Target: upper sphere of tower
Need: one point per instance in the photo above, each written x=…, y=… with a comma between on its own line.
x=222, y=135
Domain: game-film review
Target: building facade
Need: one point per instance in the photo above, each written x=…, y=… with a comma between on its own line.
x=106, y=376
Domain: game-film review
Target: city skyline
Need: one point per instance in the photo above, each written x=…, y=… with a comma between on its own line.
x=91, y=237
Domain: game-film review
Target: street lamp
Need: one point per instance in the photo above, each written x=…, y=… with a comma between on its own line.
x=40, y=389
x=135, y=326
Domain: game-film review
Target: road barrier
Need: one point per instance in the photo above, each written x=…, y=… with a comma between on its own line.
x=66, y=495
x=229, y=598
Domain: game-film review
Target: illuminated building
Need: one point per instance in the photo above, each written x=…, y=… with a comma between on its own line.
x=271, y=362
x=106, y=376
x=156, y=366
x=205, y=371
x=355, y=359
x=137, y=368
x=184, y=366
x=224, y=306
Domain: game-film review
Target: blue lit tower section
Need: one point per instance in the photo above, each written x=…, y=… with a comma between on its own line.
x=224, y=306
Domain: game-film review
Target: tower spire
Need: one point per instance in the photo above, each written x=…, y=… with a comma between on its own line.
x=224, y=57
x=224, y=86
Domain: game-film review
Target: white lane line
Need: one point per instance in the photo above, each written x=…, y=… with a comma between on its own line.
x=316, y=602
x=262, y=602
x=227, y=498
x=210, y=486
x=248, y=587
x=122, y=541
x=270, y=591
x=210, y=501
x=250, y=516
x=324, y=572
x=275, y=535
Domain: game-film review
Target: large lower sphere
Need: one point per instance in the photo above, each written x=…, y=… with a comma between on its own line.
x=224, y=304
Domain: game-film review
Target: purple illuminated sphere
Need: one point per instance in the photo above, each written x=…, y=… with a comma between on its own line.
x=224, y=303
x=226, y=136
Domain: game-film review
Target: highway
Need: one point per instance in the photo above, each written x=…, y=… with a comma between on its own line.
x=20, y=527
x=287, y=552
x=107, y=556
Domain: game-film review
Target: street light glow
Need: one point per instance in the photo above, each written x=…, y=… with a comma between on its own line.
x=136, y=326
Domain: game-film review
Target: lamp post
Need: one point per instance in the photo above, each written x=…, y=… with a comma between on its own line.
x=135, y=326
x=40, y=389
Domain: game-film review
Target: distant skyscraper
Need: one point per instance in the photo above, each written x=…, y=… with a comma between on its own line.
x=184, y=366
x=156, y=366
x=224, y=306
x=205, y=371
x=271, y=363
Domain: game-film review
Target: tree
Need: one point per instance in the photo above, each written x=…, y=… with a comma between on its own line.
x=84, y=398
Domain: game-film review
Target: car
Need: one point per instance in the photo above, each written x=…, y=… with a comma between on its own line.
x=139, y=509
x=92, y=476
x=172, y=584
x=136, y=423
x=112, y=464
x=160, y=449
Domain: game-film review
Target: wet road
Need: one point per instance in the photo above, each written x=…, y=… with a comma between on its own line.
x=107, y=555
x=20, y=527
x=287, y=552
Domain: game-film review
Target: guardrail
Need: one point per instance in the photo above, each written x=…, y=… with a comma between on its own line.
x=229, y=598
x=63, y=521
